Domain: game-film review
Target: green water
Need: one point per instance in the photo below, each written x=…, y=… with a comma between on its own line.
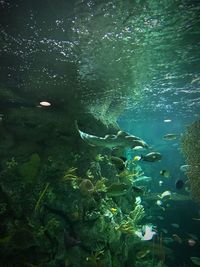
x=108, y=65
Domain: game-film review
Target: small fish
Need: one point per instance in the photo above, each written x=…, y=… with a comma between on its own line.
x=142, y=179
x=175, y=225
x=167, y=120
x=142, y=253
x=191, y=242
x=160, y=183
x=165, y=173
x=138, y=148
x=196, y=219
x=117, y=189
x=137, y=190
x=170, y=136
x=118, y=163
x=159, y=203
x=113, y=210
x=164, y=231
x=165, y=195
x=137, y=158
x=193, y=236
x=195, y=260
x=185, y=168
x=150, y=157
x=179, y=184
x=177, y=238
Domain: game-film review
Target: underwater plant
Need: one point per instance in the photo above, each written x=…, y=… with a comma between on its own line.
x=100, y=185
x=99, y=157
x=70, y=176
x=131, y=224
x=137, y=214
x=190, y=145
x=29, y=169
x=41, y=196
x=95, y=257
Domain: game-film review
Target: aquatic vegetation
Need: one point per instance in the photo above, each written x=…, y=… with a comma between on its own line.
x=100, y=185
x=191, y=148
x=130, y=175
x=41, y=196
x=137, y=214
x=99, y=157
x=29, y=169
x=70, y=176
x=95, y=257
x=89, y=174
x=11, y=163
x=131, y=224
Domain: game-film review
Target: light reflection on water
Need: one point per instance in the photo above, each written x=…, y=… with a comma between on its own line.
x=142, y=54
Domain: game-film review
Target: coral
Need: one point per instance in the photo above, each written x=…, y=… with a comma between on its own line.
x=190, y=145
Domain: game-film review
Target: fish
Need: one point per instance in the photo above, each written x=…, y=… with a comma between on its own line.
x=118, y=163
x=173, y=196
x=191, y=242
x=196, y=219
x=117, y=189
x=185, y=168
x=177, y=238
x=160, y=183
x=137, y=190
x=179, y=184
x=175, y=225
x=120, y=189
x=193, y=236
x=113, y=210
x=142, y=179
x=165, y=195
x=195, y=260
x=167, y=120
x=150, y=157
x=165, y=173
x=170, y=136
x=164, y=231
x=142, y=253
x=121, y=139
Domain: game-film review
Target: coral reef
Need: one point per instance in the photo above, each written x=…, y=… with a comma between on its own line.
x=190, y=145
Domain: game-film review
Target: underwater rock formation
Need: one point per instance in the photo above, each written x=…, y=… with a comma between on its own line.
x=190, y=144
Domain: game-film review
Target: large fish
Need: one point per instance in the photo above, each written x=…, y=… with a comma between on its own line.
x=121, y=139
